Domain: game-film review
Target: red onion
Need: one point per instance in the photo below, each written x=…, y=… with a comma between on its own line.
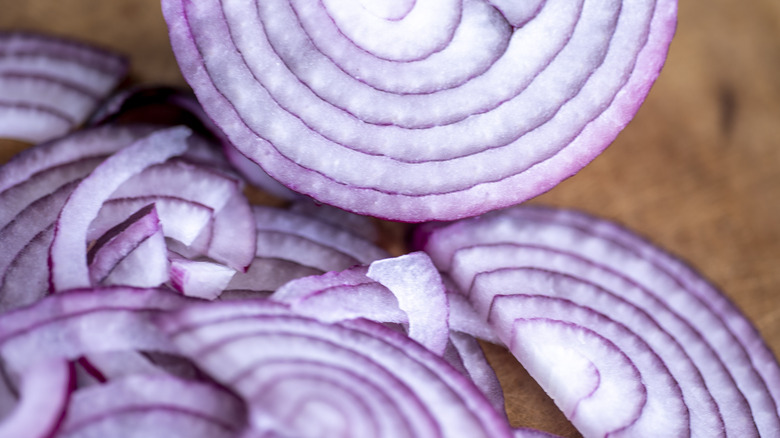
x=68, y=254
x=49, y=86
x=135, y=246
x=44, y=392
x=153, y=406
x=356, y=378
x=579, y=277
x=326, y=107
x=403, y=290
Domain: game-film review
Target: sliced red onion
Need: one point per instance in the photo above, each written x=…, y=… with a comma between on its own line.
x=27, y=277
x=719, y=361
x=41, y=185
x=269, y=75
x=261, y=349
x=82, y=321
x=20, y=231
x=229, y=240
x=35, y=183
x=363, y=226
x=181, y=219
x=44, y=391
x=68, y=253
x=72, y=101
x=79, y=146
x=761, y=357
x=233, y=240
x=477, y=368
x=153, y=406
x=319, y=231
x=255, y=174
x=479, y=39
x=649, y=391
x=292, y=244
x=95, y=67
x=421, y=306
x=404, y=289
x=101, y=367
x=132, y=253
x=199, y=278
x=464, y=318
x=417, y=286
x=51, y=85
x=179, y=178
x=26, y=122
x=338, y=296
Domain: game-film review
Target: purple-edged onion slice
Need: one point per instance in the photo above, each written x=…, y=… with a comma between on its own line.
x=537, y=256
x=49, y=85
x=356, y=378
x=467, y=110
x=68, y=253
x=405, y=290
x=78, y=322
x=153, y=406
x=44, y=390
x=132, y=254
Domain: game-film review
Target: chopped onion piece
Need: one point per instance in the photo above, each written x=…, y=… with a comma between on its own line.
x=68, y=252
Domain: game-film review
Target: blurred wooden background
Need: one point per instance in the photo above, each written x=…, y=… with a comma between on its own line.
x=697, y=171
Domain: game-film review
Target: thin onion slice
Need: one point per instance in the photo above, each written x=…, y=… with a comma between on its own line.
x=45, y=390
x=82, y=145
x=132, y=253
x=404, y=290
x=68, y=252
x=157, y=405
x=722, y=365
x=242, y=343
x=49, y=86
x=77, y=322
x=175, y=106
x=509, y=131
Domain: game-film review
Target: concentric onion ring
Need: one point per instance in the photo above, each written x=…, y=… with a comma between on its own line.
x=611, y=280
x=301, y=89
x=357, y=378
x=50, y=85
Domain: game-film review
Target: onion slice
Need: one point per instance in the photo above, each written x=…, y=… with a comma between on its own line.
x=68, y=252
x=277, y=360
x=44, y=393
x=724, y=370
x=49, y=86
x=547, y=98
x=157, y=405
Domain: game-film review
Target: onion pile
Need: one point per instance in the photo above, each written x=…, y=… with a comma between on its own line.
x=143, y=294
x=421, y=110
x=111, y=227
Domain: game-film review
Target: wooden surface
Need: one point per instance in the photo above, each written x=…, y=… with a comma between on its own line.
x=697, y=171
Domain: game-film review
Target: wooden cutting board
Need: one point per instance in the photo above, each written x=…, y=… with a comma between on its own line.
x=697, y=171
